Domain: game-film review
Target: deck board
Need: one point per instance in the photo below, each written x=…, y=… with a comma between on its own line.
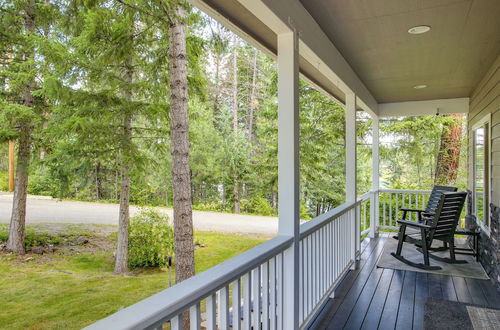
x=370, y=297
x=351, y=295
x=434, y=284
x=476, y=292
x=407, y=302
x=421, y=294
x=391, y=307
x=376, y=307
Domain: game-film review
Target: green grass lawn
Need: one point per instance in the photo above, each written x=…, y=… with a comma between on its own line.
x=73, y=290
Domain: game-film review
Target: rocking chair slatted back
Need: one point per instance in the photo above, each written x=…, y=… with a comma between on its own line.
x=447, y=215
x=435, y=197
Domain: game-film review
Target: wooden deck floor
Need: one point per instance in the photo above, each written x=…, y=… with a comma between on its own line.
x=376, y=298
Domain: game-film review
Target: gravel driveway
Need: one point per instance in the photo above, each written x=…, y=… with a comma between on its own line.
x=43, y=210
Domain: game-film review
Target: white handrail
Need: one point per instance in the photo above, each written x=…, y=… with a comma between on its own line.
x=405, y=191
x=322, y=219
x=365, y=196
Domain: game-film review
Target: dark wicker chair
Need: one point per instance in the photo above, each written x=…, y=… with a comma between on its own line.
x=440, y=226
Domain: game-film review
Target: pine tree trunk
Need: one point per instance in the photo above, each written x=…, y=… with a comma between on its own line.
x=15, y=242
x=17, y=232
x=253, y=99
x=121, y=261
x=217, y=89
x=98, y=181
x=236, y=184
x=179, y=130
x=449, y=152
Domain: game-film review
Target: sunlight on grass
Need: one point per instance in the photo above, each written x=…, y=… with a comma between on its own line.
x=70, y=292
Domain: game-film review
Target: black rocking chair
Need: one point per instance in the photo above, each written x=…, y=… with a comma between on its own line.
x=431, y=206
x=440, y=226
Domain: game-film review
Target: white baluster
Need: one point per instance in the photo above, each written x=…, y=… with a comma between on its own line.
x=265, y=296
x=194, y=317
x=176, y=322
x=256, y=297
x=211, y=312
x=236, y=293
x=272, y=289
x=224, y=308
x=247, y=301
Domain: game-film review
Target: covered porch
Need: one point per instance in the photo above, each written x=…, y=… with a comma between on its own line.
x=322, y=274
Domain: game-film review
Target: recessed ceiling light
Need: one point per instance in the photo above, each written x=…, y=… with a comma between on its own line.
x=419, y=29
x=419, y=86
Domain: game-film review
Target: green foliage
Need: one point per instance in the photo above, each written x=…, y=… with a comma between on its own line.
x=408, y=161
x=33, y=237
x=151, y=239
x=4, y=180
x=257, y=205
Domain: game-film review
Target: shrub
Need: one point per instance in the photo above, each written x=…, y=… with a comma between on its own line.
x=33, y=238
x=151, y=239
x=4, y=181
x=214, y=206
x=257, y=205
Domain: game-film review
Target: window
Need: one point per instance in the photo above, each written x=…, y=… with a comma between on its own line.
x=481, y=177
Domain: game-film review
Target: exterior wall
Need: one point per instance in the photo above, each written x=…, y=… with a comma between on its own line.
x=484, y=100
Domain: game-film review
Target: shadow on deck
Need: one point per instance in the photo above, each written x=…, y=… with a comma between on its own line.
x=378, y=298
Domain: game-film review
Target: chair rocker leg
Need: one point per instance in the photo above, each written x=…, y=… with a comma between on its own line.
x=413, y=264
x=450, y=260
x=438, y=249
x=402, y=237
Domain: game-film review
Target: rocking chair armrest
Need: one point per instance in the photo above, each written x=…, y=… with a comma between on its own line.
x=411, y=210
x=413, y=224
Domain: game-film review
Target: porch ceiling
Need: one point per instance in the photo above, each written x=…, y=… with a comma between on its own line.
x=450, y=59
x=372, y=37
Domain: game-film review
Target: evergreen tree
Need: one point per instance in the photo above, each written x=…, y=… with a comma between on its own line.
x=24, y=27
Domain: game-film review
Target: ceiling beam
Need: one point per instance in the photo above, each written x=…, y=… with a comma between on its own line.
x=423, y=108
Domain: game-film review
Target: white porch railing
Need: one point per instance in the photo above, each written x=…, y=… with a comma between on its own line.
x=228, y=294
x=326, y=252
x=391, y=201
x=231, y=293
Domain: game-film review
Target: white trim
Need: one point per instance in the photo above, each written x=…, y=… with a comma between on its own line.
x=288, y=171
x=480, y=123
x=422, y=108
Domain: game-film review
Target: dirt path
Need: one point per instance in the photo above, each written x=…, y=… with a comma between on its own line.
x=53, y=211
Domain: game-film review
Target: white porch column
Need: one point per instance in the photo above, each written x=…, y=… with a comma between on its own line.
x=288, y=170
x=350, y=170
x=375, y=177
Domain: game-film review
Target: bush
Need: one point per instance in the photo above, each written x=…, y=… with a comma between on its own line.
x=32, y=239
x=257, y=205
x=4, y=181
x=214, y=206
x=151, y=239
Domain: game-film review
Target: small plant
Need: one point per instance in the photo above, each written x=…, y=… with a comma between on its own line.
x=33, y=238
x=151, y=239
